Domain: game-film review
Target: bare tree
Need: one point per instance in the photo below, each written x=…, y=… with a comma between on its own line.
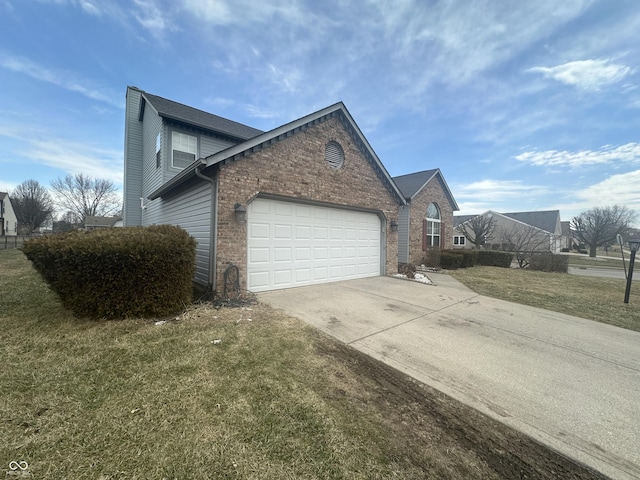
x=66, y=222
x=601, y=225
x=32, y=205
x=86, y=196
x=524, y=240
x=479, y=229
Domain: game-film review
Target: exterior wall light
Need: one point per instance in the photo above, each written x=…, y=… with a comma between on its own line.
x=241, y=213
x=634, y=244
x=394, y=225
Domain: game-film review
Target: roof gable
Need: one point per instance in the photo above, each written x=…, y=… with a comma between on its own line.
x=413, y=183
x=184, y=114
x=544, y=220
x=236, y=152
x=460, y=219
x=95, y=221
x=548, y=220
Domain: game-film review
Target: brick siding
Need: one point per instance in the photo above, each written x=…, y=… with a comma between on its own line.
x=433, y=192
x=295, y=167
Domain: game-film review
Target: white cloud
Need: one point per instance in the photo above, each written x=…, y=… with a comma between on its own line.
x=242, y=12
x=7, y=187
x=152, y=18
x=90, y=7
x=257, y=112
x=60, y=78
x=73, y=157
x=39, y=146
x=621, y=189
x=629, y=153
x=487, y=191
x=586, y=74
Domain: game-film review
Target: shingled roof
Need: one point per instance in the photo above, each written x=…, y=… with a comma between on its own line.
x=412, y=183
x=183, y=113
x=546, y=220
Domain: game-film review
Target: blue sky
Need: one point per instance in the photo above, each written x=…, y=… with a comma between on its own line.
x=522, y=105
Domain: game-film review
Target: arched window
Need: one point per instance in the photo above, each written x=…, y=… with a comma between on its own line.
x=433, y=226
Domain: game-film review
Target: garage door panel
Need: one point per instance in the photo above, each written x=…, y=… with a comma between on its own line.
x=282, y=232
x=335, y=272
x=283, y=209
x=321, y=273
x=291, y=244
x=259, y=280
x=303, y=232
x=259, y=255
x=304, y=211
x=259, y=230
x=282, y=254
x=281, y=278
x=303, y=275
x=303, y=254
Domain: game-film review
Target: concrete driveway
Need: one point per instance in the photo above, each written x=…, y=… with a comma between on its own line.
x=571, y=383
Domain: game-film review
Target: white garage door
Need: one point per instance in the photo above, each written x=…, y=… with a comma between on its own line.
x=292, y=244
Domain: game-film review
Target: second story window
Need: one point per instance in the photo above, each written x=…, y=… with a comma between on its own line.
x=184, y=149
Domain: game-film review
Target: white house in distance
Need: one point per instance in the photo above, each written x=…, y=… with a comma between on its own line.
x=542, y=229
x=8, y=220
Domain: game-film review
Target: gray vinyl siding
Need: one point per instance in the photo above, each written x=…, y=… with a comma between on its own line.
x=211, y=145
x=152, y=177
x=191, y=210
x=132, y=161
x=403, y=233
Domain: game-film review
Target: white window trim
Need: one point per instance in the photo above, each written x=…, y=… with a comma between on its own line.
x=183, y=136
x=432, y=236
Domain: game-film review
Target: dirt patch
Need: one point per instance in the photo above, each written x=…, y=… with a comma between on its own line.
x=417, y=414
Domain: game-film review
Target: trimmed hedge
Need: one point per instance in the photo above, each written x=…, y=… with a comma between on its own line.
x=470, y=258
x=493, y=258
x=458, y=258
x=547, y=262
x=118, y=272
x=451, y=259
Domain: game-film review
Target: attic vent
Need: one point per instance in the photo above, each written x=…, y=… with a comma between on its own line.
x=334, y=155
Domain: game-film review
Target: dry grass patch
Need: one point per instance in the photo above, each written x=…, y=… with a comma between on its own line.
x=594, y=298
x=226, y=393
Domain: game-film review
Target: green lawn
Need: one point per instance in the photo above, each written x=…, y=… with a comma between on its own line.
x=594, y=298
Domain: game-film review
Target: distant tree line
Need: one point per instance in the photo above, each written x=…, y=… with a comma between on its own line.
x=78, y=196
x=593, y=228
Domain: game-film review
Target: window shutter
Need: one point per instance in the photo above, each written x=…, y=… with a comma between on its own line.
x=424, y=235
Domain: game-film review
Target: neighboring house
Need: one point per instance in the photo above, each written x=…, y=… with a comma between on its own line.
x=8, y=220
x=541, y=230
x=92, y=223
x=567, y=240
x=305, y=203
x=426, y=222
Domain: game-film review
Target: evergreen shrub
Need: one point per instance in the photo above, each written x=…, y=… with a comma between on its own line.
x=494, y=258
x=547, y=262
x=118, y=272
